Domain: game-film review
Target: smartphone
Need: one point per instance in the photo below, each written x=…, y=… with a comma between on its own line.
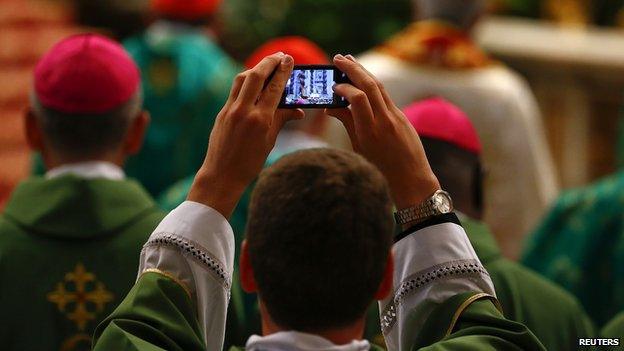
x=311, y=86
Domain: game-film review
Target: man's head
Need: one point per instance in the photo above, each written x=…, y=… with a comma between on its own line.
x=193, y=12
x=453, y=149
x=303, y=52
x=461, y=13
x=318, y=240
x=86, y=103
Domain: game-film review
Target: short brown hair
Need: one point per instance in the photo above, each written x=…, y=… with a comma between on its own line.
x=319, y=234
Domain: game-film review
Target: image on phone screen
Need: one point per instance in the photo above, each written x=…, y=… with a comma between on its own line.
x=311, y=86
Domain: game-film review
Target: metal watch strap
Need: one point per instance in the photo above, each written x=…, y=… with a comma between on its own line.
x=423, y=211
x=415, y=213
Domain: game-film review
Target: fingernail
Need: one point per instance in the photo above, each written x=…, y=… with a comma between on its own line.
x=339, y=57
x=280, y=53
x=350, y=57
x=286, y=61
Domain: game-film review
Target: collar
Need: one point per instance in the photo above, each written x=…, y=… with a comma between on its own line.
x=297, y=341
x=88, y=170
x=73, y=207
x=437, y=44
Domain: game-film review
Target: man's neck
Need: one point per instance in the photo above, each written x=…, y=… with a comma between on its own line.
x=339, y=336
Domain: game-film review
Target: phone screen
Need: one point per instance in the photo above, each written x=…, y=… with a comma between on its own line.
x=311, y=86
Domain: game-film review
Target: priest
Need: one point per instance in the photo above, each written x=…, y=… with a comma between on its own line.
x=186, y=78
x=319, y=244
x=454, y=150
x=436, y=56
x=70, y=240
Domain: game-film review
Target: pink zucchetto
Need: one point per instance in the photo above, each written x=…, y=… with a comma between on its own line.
x=438, y=119
x=86, y=74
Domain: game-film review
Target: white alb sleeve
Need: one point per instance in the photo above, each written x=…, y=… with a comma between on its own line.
x=195, y=245
x=432, y=263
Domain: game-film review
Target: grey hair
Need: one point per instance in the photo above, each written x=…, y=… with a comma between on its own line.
x=462, y=13
x=86, y=135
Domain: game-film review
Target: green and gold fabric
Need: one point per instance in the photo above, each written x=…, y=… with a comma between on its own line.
x=466, y=321
x=580, y=246
x=553, y=314
x=69, y=248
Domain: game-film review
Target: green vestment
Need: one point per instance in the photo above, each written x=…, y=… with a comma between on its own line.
x=615, y=328
x=69, y=248
x=186, y=79
x=553, y=314
x=158, y=315
x=580, y=246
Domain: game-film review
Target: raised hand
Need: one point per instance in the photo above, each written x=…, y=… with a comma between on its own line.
x=244, y=133
x=380, y=132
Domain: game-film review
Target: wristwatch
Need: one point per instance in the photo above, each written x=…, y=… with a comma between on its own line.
x=439, y=203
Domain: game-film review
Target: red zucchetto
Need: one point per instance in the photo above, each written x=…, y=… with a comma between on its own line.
x=185, y=9
x=437, y=118
x=302, y=50
x=86, y=74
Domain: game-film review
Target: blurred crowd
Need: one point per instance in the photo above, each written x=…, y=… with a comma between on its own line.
x=87, y=177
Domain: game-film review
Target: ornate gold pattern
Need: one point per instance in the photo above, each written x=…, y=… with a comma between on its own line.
x=436, y=44
x=170, y=276
x=64, y=297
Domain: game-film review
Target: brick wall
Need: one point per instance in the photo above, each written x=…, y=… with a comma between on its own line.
x=28, y=28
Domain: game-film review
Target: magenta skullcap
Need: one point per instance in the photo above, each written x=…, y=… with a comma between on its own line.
x=86, y=74
x=438, y=119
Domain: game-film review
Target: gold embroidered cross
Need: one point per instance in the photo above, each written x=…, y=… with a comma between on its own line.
x=80, y=278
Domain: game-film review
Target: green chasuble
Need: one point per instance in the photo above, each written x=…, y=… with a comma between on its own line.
x=186, y=79
x=69, y=248
x=553, y=314
x=615, y=328
x=580, y=246
x=159, y=315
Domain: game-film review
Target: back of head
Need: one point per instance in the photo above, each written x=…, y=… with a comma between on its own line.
x=453, y=149
x=461, y=13
x=86, y=92
x=319, y=234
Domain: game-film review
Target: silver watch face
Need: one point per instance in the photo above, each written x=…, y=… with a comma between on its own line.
x=442, y=202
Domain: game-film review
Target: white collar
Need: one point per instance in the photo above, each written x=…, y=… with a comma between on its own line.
x=297, y=341
x=88, y=170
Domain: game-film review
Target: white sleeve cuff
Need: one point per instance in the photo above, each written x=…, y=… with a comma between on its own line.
x=195, y=244
x=431, y=265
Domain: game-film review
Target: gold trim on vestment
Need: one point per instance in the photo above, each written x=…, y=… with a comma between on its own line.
x=170, y=276
x=465, y=305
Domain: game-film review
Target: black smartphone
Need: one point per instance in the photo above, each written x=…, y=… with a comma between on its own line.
x=311, y=86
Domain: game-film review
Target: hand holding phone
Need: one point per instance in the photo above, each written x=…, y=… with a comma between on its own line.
x=312, y=86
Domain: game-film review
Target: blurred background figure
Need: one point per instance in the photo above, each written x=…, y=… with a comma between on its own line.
x=580, y=245
x=186, y=79
x=437, y=56
x=454, y=151
x=296, y=135
x=116, y=18
x=336, y=26
x=28, y=28
x=70, y=240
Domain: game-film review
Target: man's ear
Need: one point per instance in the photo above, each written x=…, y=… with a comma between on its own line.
x=136, y=133
x=248, y=282
x=385, y=288
x=32, y=129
